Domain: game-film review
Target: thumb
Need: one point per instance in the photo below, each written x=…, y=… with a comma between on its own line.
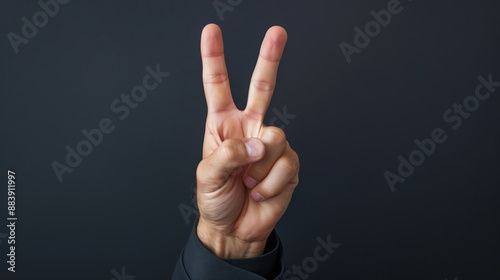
x=229, y=156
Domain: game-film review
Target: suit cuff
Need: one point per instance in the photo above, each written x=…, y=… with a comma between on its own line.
x=199, y=263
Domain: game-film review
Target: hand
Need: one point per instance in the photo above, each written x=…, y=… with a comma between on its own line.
x=248, y=172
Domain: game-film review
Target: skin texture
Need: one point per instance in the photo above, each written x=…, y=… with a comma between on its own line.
x=241, y=195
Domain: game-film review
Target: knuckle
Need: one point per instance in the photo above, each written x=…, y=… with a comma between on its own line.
x=227, y=149
x=218, y=78
x=262, y=85
x=296, y=160
x=205, y=174
x=288, y=166
x=292, y=185
x=232, y=150
x=295, y=181
x=276, y=136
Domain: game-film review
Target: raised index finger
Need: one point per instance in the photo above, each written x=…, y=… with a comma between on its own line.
x=215, y=78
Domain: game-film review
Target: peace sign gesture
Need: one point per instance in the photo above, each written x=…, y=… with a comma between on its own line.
x=248, y=172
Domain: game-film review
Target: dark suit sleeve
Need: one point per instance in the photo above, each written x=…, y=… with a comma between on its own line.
x=198, y=263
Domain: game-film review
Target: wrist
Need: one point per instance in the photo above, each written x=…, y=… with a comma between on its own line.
x=228, y=246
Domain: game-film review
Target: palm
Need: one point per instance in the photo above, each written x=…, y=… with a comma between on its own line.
x=236, y=211
x=239, y=212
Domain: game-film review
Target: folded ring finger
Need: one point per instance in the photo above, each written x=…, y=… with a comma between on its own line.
x=275, y=143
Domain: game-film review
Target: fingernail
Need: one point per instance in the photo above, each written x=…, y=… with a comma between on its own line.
x=254, y=147
x=250, y=182
x=257, y=197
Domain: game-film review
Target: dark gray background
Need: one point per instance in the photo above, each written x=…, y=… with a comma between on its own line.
x=119, y=207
